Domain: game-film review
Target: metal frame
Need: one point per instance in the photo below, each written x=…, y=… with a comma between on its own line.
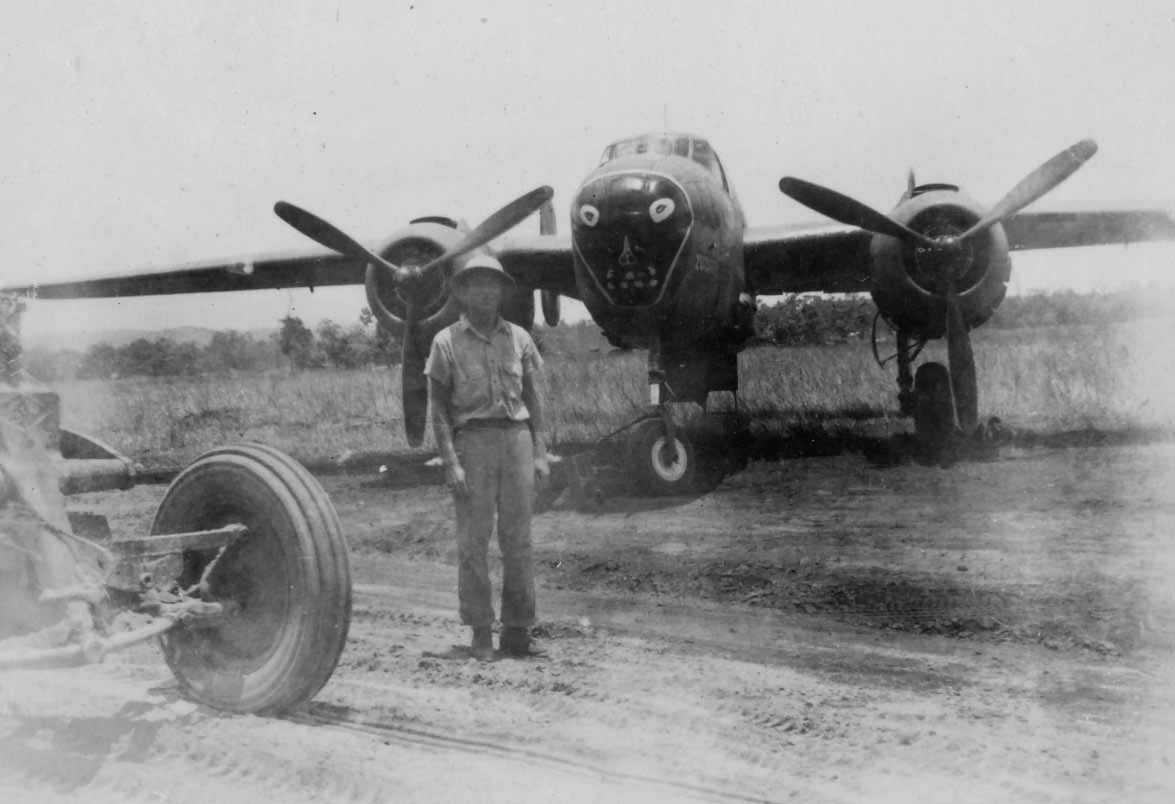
x=80, y=464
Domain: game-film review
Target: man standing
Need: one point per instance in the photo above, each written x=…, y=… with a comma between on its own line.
x=487, y=414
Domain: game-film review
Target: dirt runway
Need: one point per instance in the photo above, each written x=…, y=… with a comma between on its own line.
x=812, y=630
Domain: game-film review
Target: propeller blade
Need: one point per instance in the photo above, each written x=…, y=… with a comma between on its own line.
x=547, y=225
x=413, y=383
x=549, y=298
x=504, y=219
x=327, y=234
x=961, y=361
x=1036, y=184
x=848, y=210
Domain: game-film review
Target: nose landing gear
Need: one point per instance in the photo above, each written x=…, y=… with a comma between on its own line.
x=660, y=457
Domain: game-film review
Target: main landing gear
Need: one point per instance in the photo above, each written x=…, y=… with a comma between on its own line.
x=934, y=412
x=942, y=403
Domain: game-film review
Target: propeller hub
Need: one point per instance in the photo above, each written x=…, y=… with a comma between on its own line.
x=400, y=280
x=946, y=257
x=408, y=276
x=939, y=266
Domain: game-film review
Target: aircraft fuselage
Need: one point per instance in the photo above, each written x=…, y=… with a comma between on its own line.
x=658, y=251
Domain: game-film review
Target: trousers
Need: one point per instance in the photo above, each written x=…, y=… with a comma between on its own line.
x=499, y=469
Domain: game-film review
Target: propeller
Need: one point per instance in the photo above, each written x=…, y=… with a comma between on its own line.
x=1036, y=184
x=327, y=234
x=413, y=383
x=549, y=298
x=851, y=211
x=501, y=221
x=409, y=279
x=961, y=363
x=943, y=251
x=848, y=210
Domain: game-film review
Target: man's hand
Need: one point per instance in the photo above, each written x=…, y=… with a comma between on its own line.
x=455, y=477
x=542, y=470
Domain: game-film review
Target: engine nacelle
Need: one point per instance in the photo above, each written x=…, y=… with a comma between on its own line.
x=416, y=244
x=909, y=285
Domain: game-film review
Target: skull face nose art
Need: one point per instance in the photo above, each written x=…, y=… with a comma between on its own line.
x=629, y=230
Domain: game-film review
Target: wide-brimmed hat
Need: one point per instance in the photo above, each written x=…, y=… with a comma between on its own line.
x=483, y=263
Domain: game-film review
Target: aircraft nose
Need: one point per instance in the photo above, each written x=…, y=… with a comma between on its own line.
x=629, y=229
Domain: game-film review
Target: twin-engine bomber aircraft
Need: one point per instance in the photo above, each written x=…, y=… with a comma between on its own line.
x=660, y=254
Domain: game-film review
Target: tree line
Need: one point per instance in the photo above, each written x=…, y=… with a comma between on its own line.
x=797, y=320
x=292, y=346
x=813, y=319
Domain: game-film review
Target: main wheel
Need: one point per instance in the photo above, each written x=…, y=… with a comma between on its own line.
x=286, y=583
x=660, y=466
x=934, y=412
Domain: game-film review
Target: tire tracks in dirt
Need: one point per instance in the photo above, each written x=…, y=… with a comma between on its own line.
x=771, y=695
x=102, y=733
x=721, y=698
x=526, y=756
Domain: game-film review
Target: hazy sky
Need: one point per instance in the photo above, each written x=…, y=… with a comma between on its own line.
x=143, y=134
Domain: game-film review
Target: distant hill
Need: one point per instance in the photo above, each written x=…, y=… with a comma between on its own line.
x=81, y=341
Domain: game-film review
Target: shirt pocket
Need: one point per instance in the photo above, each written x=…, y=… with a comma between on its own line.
x=512, y=378
x=471, y=386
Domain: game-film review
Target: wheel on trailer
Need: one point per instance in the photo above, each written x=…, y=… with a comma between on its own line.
x=286, y=583
x=934, y=412
x=660, y=466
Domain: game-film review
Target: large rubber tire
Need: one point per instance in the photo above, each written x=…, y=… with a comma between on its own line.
x=934, y=413
x=661, y=468
x=289, y=576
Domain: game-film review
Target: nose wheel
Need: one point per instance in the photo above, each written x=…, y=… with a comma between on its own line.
x=662, y=462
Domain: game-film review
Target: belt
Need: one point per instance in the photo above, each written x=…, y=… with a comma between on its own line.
x=492, y=424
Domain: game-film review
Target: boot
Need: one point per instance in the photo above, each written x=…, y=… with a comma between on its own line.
x=482, y=646
x=515, y=641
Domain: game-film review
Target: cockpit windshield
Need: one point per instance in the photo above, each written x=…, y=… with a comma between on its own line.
x=651, y=144
x=704, y=155
x=668, y=145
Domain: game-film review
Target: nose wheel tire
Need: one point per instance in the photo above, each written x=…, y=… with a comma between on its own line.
x=934, y=412
x=661, y=466
x=286, y=584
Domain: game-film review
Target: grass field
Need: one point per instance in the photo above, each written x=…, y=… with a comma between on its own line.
x=1046, y=379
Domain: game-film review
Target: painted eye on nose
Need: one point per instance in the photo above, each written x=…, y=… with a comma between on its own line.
x=589, y=215
x=661, y=209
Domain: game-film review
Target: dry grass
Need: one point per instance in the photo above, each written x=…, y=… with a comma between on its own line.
x=310, y=414
x=1045, y=380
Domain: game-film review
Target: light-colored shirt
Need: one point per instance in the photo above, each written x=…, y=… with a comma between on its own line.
x=483, y=374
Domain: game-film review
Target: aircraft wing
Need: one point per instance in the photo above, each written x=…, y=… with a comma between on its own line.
x=305, y=270
x=834, y=258
x=542, y=261
x=1029, y=230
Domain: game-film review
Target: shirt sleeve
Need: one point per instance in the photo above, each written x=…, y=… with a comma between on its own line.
x=439, y=367
x=532, y=361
